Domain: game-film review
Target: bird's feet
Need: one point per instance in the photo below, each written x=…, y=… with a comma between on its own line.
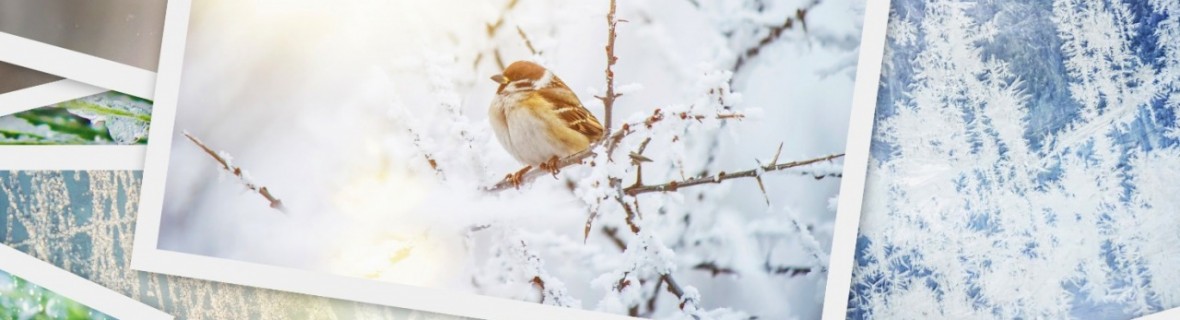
x=551, y=166
x=517, y=178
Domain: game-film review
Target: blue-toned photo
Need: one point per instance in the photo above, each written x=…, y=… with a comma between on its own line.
x=1024, y=163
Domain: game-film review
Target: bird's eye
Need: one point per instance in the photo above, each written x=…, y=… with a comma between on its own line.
x=523, y=85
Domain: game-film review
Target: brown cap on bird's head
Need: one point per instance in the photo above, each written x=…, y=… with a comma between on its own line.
x=520, y=70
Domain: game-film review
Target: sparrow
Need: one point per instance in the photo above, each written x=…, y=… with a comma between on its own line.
x=538, y=119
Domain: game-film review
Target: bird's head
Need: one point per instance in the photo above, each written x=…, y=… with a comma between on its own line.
x=522, y=76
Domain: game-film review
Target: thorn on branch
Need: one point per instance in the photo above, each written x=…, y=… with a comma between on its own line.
x=589, y=224
x=275, y=203
x=776, y=154
x=638, y=158
x=762, y=187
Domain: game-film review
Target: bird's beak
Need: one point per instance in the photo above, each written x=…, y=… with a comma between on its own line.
x=499, y=78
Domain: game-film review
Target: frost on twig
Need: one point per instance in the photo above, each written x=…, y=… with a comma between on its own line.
x=226, y=163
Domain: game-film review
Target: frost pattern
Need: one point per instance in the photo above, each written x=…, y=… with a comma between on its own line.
x=83, y=222
x=1024, y=163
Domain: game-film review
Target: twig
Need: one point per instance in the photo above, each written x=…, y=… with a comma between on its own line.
x=612, y=233
x=713, y=268
x=527, y=43
x=789, y=271
x=608, y=100
x=499, y=59
x=275, y=203
x=722, y=176
x=492, y=29
x=630, y=215
x=673, y=286
x=651, y=302
x=775, y=32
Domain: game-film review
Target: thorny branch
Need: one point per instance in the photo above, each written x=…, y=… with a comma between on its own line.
x=237, y=171
x=775, y=32
x=608, y=100
x=722, y=176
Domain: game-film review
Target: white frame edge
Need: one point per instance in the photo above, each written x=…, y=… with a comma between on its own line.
x=45, y=95
x=87, y=157
x=75, y=288
x=77, y=66
x=860, y=131
x=843, y=256
x=1167, y=314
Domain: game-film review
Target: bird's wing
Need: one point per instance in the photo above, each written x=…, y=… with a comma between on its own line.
x=569, y=109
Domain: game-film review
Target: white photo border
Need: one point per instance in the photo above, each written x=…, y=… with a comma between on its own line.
x=856, y=159
x=75, y=288
x=44, y=95
x=148, y=257
x=77, y=66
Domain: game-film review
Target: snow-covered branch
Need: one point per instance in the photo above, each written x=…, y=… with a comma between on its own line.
x=225, y=160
